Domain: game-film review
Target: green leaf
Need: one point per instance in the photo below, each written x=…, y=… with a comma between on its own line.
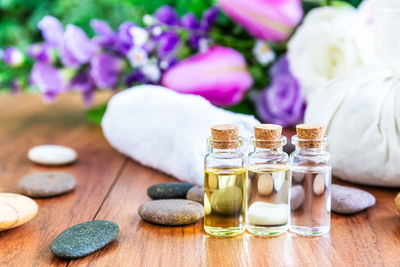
x=245, y=107
x=96, y=114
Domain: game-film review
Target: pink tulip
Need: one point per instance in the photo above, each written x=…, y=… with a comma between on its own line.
x=219, y=75
x=271, y=20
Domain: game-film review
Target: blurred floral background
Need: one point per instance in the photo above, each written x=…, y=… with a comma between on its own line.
x=261, y=57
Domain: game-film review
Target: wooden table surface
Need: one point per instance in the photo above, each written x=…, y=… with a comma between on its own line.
x=111, y=186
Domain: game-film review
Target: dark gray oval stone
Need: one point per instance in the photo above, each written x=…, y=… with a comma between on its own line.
x=46, y=184
x=171, y=211
x=85, y=238
x=196, y=193
x=169, y=190
x=348, y=200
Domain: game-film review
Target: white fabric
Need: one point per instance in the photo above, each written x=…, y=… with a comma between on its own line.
x=166, y=130
x=361, y=110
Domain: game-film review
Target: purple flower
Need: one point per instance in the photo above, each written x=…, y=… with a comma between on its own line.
x=101, y=27
x=167, y=15
x=48, y=79
x=76, y=48
x=167, y=43
x=52, y=29
x=130, y=35
x=105, y=70
x=282, y=102
x=135, y=77
x=13, y=56
x=209, y=17
x=105, y=36
x=83, y=83
x=40, y=52
x=194, y=40
x=168, y=62
x=190, y=21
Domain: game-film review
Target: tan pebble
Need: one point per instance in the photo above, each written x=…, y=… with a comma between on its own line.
x=397, y=202
x=15, y=210
x=265, y=184
x=319, y=184
x=207, y=205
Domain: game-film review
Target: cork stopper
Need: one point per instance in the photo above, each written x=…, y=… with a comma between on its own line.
x=310, y=132
x=268, y=135
x=224, y=136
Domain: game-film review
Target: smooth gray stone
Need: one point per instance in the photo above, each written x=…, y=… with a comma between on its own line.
x=348, y=200
x=46, y=184
x=85, y=238
x=196, y=193
x=171, y=211
x=169, y=190
x=297, y=197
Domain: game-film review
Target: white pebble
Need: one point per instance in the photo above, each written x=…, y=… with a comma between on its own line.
x=52, y=155
x=319, y=184
x=263, y=213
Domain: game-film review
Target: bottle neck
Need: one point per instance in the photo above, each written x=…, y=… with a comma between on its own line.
x=314, y=150
x=225, y=150
x=268, y=150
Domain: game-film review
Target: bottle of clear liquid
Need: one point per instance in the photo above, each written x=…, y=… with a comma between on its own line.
x=224, y=183
x=310, y=193
x=268, y=179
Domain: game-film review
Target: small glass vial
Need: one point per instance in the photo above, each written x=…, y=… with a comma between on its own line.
x=268, y=174
x=224, y=183
x=310, y=193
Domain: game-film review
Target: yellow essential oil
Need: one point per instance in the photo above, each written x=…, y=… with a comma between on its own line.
x=267, y=194
x=225, y=201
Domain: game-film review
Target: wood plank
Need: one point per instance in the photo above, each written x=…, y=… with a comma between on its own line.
x=25, y=121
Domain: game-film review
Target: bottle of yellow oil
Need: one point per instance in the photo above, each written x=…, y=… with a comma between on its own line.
x=224, y=183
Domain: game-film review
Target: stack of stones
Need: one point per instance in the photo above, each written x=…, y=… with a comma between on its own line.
x=169, y=206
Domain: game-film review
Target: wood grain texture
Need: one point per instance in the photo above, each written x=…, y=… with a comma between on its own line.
x=112, y=187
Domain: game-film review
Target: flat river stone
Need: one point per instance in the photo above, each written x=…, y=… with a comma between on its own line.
x=171, y=211
x=196, y=193
x=348, y=200
x=52, y=155
x=85, y=238
x=263, y=213
x=169, y=190
x=46, y=184
x=15, y=210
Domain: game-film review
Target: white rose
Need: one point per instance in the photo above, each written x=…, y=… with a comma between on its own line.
x=329, y=42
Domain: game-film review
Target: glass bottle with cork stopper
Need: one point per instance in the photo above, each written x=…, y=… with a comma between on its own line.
x=268, y=174
x=311, y=175
x=224, y=183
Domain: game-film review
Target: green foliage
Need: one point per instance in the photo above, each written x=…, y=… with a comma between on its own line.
x=95, y=114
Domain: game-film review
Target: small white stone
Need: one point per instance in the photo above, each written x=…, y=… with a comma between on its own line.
x=263, y=213
x=319, y=184
x=52, y=155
